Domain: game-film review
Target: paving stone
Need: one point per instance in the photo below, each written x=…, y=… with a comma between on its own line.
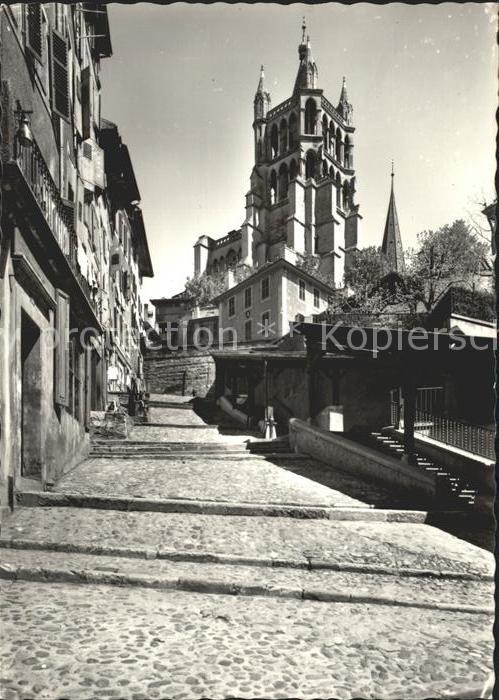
x=405, y=589
x=216, y=646
x=192, y=477
x=394, y=545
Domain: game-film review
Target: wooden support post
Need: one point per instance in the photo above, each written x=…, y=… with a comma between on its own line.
x=409, y=394
x=314, y=352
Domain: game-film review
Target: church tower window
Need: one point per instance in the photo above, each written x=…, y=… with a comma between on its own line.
x=310, y=113
x=310, y=164
x=293, y=131
x=283, y=137
x=274, y=141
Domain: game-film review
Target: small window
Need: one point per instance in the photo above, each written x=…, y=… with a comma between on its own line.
x=232, y=306
x=265, y=288
x=247, y=330
x=247, y=298
x=302, y=290
x=317, y=297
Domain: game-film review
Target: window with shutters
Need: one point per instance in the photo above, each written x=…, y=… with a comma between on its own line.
x=302, y=290
x=59, y=75
x=61, y=365
x=265, y=288
x=317, y=297
x=232, y=306
x=247, y=298
x=34, y=35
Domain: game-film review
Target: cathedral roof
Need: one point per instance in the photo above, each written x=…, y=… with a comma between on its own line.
x=392, y=240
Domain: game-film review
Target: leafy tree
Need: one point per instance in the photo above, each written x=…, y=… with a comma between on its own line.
x=201, y=290
x=452, y=255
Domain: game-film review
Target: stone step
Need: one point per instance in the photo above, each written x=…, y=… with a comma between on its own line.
x=237, y=579
x=321, y=544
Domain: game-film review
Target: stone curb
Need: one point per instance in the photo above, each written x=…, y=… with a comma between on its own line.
x=236, y=456
x=32, y=499
x=308, y=563
x=195, y=585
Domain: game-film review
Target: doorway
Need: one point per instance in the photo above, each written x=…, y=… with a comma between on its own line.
x=31, y=398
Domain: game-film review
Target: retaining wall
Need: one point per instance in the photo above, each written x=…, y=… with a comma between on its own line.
x=183, y=372
x=341, y=453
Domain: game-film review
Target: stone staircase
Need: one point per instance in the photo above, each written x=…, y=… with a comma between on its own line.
x=452, y=491
x=134, y=449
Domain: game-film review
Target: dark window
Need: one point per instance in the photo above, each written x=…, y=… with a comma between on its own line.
x=59, y=75
x=247, y=298
x=247, y=330
x=265, y=288
x=232, y=306
x=302, y=290
x=34, y=29
x=317, y=297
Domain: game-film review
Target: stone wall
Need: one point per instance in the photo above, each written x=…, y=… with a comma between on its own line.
x=179, y=373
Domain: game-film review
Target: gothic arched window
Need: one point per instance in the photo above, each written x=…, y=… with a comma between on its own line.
x=274, y=141
x=273, y=187
x=283, y=136
x=283, y=181
x=345, y=195
x=325, y=133
x=310, y=164
x=348, y=152
x=293, y=130
x=293, y=170
x=324, y=168
x=338, y=145
x=331, y=173
x=215, y=266
x=332, y=139
x=310, y=112
x=338, y=190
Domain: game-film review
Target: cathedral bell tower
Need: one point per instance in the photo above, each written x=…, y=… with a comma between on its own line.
x=302, y=195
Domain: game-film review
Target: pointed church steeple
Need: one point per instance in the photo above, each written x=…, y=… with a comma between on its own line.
x=307, y=70
x=344, y=106
x=392, y=240
x=262, y=97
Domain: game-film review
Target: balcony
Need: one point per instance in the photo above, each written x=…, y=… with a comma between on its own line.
x=49, y=215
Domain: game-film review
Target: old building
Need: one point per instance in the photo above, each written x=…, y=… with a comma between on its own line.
x=302, y=191
x=263, y=305
x=59, y=223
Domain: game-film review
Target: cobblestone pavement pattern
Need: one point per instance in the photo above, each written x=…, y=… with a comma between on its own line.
x=87, y=641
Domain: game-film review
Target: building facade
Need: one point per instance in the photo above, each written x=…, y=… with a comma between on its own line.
x=262, y=307
x=303, y=183
x=59, y=223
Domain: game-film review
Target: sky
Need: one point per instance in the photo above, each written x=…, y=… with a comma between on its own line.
x=180, y=84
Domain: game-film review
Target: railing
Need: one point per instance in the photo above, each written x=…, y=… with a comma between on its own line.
x=57, y=214
x=280, y=108
x=471, y=438
x=230, y=238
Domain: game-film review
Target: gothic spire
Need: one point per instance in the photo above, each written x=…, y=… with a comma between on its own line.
x=392, y=240
x=344, y=106
x=260, y=89
x=307, y=70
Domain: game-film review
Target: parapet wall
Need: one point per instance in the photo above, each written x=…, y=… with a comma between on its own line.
x=184, y=372
x=349, y=456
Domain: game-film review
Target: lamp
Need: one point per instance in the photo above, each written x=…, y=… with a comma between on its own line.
x=23, y=133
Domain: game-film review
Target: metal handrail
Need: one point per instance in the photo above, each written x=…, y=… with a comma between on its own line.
x=471, y=438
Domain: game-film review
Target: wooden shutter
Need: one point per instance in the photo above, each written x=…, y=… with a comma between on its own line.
x=61, y=369
x=59, y=75
x=34, y=40
x=85, y=102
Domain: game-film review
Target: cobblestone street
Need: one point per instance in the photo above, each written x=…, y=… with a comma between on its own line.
x=163, y=594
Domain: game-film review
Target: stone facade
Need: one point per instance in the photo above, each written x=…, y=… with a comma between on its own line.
x=179, y=372
x=63, y=196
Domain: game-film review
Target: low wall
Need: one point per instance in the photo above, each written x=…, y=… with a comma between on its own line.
x=183, y=373
x=337, y=451
x=109, y=425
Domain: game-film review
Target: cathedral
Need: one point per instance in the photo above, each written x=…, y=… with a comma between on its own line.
x=302, y=195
